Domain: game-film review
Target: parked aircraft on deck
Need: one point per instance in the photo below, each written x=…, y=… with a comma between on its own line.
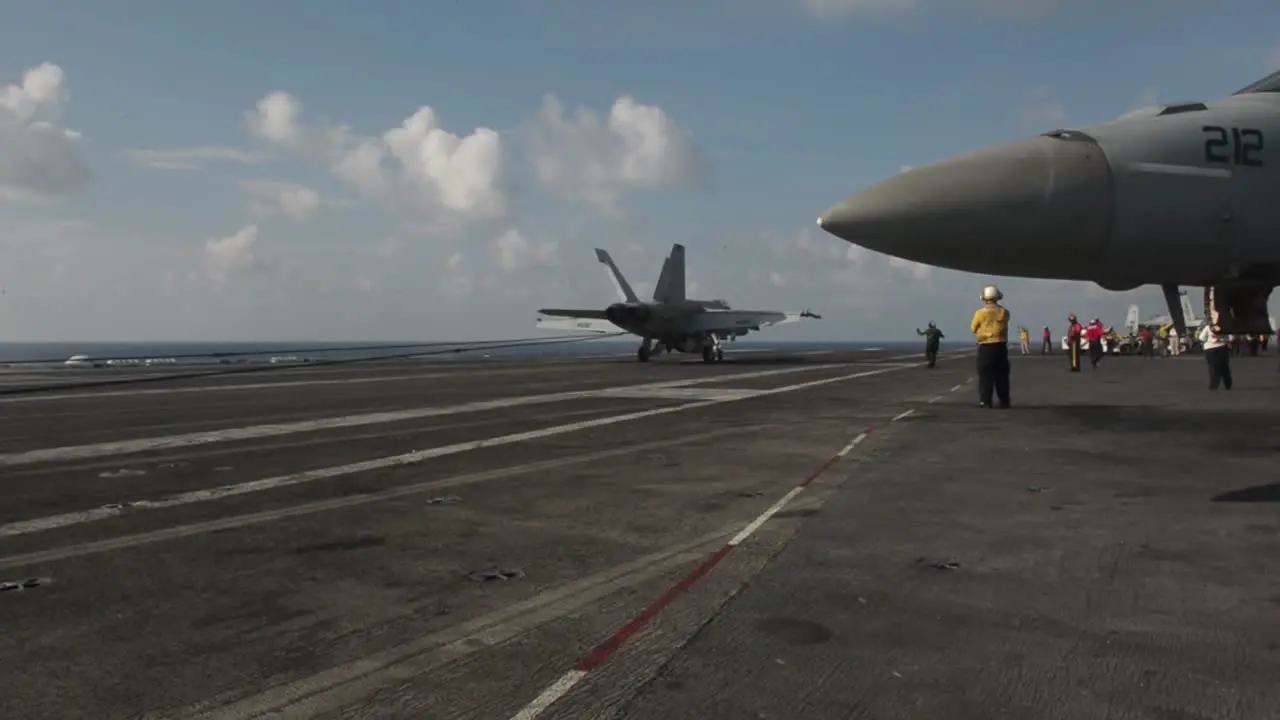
x=1177, y=195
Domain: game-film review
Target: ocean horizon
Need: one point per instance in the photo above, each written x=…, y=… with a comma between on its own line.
x=38, y=353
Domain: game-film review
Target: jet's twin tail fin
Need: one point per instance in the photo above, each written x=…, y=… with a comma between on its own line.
x=1189, y=314
x=619, y=282
x=670, y=287
x=1132, y=320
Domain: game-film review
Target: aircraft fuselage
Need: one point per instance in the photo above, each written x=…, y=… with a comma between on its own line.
x=668, y=323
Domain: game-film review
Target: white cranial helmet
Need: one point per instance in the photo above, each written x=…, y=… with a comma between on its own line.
x=991, y=293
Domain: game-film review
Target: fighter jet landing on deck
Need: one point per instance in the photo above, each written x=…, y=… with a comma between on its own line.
x=671, y=322
x=1181, y=194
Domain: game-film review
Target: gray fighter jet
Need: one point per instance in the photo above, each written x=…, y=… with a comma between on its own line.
x=1182, y=194
x=671, y=322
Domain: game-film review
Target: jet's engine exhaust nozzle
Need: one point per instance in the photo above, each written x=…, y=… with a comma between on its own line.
x=623, y=314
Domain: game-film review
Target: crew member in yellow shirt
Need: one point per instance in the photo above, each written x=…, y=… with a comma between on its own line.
x=991, y=329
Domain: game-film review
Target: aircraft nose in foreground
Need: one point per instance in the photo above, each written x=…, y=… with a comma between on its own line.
x=1009, y=209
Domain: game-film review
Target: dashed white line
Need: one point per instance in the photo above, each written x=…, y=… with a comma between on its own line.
x=754, y=525
x=554, y=692
x=902, y=415
x=605, y=650
x=852, y=444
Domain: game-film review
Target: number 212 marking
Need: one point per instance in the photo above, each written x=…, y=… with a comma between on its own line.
x=1245, y=145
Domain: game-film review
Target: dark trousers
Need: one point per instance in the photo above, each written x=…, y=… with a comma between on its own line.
x=1046, y=348
x=1073, y=353
x=1095, y=353
x=1219, y=361
x=993, y=373
x=931, y=354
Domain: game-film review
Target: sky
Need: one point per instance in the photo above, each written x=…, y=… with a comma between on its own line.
x=439, y=169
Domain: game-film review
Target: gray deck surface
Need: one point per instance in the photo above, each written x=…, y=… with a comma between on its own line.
x=305, y=546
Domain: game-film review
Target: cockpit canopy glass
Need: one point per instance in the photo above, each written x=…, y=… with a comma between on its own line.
x=1268, y=84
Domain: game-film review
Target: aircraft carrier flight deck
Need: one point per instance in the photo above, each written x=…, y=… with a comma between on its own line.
x=824, y=535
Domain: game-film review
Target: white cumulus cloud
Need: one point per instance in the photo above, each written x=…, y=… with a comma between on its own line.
x=226, y=256
x=462, y=173
x=272, y=197
x=593, y=160
x=38, y=157
x=418, y=164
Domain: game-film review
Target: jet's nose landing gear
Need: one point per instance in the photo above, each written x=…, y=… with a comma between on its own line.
x=645, y=348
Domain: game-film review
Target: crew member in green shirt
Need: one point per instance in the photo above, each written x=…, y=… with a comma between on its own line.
x=932, y=338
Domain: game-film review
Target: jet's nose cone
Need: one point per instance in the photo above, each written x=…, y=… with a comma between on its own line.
x=995, y=211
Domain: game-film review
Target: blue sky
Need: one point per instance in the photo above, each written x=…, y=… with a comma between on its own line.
x=177, y=213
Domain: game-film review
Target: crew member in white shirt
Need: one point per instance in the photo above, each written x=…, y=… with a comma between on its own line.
x=1174, y=347
x=1217, y=355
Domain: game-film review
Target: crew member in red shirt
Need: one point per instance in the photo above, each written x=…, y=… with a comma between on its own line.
x=1094, y=334
x=1047, y=347
x=1073, y=341
x=1146, y=342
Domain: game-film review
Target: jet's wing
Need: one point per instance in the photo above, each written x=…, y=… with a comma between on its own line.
x=576, y=313
x=588, y=325
x=738, y=320
x=562, y=320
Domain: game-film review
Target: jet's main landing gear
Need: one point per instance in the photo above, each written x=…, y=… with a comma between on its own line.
x=712, y=350
x=1238, y=309
x=643, y=353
